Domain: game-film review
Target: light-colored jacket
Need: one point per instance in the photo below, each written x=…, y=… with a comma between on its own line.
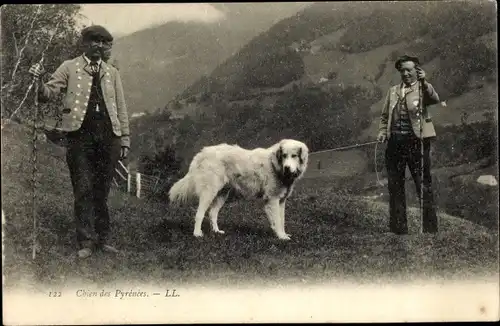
x=412, y=98
x=74, y=78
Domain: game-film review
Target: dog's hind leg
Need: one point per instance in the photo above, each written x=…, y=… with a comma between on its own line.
x=213, y=212
x=205, y=200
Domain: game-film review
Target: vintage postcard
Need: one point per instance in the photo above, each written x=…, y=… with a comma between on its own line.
x=249, y=162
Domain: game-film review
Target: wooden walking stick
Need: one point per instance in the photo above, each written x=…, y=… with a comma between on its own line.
x=421, y=103
x=36, y=83
x=34, y=155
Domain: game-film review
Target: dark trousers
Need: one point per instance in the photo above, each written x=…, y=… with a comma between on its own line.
x=402, y=151
x=91, y=158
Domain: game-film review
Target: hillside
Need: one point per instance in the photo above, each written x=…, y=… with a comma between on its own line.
x=159, y=62
x=318, y=76
x=328, y=92
x=340, y=57
x=357, y=42
x=336, y=236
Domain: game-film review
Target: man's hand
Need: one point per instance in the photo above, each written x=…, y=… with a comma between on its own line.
x=420, y=74
x=382, y=137
x=37, y=70
x=124, y=152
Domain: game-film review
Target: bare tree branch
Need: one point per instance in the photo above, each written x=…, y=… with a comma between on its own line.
x=34, y=79
x=24, y=47
x=50, y=41
x=22, y=101
x=15, y=44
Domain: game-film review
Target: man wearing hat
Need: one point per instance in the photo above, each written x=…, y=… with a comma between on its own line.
x=95, y=122
x=406, y=126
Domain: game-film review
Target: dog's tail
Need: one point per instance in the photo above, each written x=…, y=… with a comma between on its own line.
x=182, y=190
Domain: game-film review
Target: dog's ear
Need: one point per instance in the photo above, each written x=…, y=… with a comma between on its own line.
x=303, y=155
x=279, y=155
x=277, y=158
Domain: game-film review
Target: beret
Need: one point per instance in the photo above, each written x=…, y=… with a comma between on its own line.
x=96, y=31
x=405, y=58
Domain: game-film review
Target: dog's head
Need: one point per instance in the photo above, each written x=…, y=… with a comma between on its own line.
x=290, y=158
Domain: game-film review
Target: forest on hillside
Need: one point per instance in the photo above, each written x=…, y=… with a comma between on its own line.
x=305, y=113
x=320, y=119
x=261, y=95
x=445, y=30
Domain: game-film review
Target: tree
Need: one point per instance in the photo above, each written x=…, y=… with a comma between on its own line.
x=31, y=33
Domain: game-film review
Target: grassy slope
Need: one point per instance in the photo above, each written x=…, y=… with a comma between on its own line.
x=456, y=190
x=334, y=237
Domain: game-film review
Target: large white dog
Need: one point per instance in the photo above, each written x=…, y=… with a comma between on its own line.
x=268, y=174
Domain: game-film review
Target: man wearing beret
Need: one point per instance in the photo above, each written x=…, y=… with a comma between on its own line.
x=406, y=126
x=95, y=122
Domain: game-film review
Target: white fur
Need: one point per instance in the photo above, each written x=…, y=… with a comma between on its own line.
x=258, y=173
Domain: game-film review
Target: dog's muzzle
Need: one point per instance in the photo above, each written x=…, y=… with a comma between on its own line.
x=288, y=174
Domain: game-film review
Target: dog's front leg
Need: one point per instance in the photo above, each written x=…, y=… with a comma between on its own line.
x=273, y=213
x=282, y=216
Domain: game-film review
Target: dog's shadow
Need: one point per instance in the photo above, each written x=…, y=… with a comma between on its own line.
x=174, y=230
x=170, y=230
x=248, y=230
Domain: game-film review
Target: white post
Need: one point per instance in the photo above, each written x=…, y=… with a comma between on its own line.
x=129, y=183
x=138, y=184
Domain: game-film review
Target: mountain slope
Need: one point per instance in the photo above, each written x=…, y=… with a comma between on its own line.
x=345, y=52
x=337, y=36
x=315, y=77
x=159, y=62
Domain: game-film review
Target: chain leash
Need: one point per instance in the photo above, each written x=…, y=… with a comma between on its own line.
x=379, y=182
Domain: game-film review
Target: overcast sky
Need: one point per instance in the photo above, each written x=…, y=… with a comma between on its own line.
x=123, y=19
